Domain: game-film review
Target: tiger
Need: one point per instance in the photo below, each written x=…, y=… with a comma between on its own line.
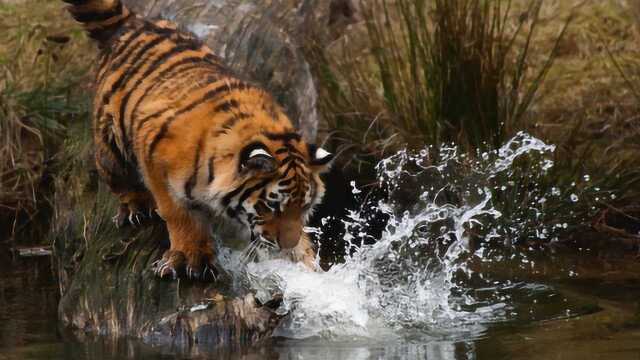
x=178, y=133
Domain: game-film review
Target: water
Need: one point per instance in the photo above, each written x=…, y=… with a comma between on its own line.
x=415, y=280
x=448, y=278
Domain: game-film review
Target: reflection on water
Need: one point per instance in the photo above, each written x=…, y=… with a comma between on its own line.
x=423, y=290
x=28, y=328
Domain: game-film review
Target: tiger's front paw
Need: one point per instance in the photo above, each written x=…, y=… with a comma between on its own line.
x=193, y=265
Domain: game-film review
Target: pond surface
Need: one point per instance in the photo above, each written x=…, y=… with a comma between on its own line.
x=592, y=313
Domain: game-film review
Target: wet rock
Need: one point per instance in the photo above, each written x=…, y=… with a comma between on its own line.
x=108, y=286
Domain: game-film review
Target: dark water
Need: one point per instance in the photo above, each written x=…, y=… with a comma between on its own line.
x=592, y=316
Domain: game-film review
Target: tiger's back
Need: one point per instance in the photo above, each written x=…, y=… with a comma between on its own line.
x=174, y=129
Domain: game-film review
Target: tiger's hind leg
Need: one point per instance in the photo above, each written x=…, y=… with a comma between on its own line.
x=122, y=177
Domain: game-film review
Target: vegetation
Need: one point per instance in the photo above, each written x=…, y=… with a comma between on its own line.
x=406, y=72
x=431, y=72
x=43, y=66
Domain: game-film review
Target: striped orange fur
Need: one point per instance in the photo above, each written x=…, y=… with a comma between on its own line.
x=176, y=131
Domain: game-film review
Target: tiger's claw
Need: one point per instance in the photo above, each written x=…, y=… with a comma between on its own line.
x=176, y=264
x=135, y=209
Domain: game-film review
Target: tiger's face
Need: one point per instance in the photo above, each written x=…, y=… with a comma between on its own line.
x=279, y=177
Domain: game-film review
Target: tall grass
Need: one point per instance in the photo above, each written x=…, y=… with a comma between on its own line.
x=473, y=73
x=42, y=66
x=434, y=71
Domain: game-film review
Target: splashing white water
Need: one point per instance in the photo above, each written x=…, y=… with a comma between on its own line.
x=413, y=277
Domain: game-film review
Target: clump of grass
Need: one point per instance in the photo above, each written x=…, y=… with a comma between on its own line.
x=474, y=73
x=435, y=72
x=43, y=62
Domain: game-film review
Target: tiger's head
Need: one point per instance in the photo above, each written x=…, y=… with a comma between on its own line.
x=276, y=186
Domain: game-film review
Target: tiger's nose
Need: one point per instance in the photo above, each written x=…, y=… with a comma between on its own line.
x=289, y=236
x=290, y=229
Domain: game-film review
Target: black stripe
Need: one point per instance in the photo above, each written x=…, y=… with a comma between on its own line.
x=191, y=183
x=113, y=148
x=286, y=182
x=287, y=136
x=281, y=151
x=125, y=100
x=211, y=175
x=227, y=198
x=227, y=106
x=228, y=124
x=252, y=189
x=125, y=50
x=261, y=208
x=293, y=155
x=293, y=149
x=124, y=79
x=119, y=50
x=137, y=63
x=291, y=165
x=213, y=59
x=211, y=94
x=105, y=32
x=156, y=83
x=104, y=58
x=287, y=160
x=97, y=16
x=117, y=64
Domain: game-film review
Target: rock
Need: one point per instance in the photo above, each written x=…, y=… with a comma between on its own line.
x=262, y=40
x=108, y=287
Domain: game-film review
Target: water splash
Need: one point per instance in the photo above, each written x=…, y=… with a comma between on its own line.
x=445, y=211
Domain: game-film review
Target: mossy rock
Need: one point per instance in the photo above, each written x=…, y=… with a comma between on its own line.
x=108, y=287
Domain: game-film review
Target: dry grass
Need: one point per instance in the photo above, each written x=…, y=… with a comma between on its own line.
x=588, y=107
x=432, y=71
x=583, y=93
x=44, y=59
x=585, y=100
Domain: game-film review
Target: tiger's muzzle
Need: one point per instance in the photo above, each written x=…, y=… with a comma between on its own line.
x=285, y=229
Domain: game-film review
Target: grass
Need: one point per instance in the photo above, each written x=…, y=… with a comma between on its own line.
x=409, y=73
x=443, y=71
x=44, y=60
x=430, y=72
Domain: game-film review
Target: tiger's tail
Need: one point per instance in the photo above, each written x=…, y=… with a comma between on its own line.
x=101, y=18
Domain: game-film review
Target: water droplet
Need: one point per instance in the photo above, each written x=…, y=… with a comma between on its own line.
x=354, y=189
x=586, y=178
x=574, y=198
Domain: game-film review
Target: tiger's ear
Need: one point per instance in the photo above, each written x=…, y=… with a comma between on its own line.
x=320, y=158
x=256, y=157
